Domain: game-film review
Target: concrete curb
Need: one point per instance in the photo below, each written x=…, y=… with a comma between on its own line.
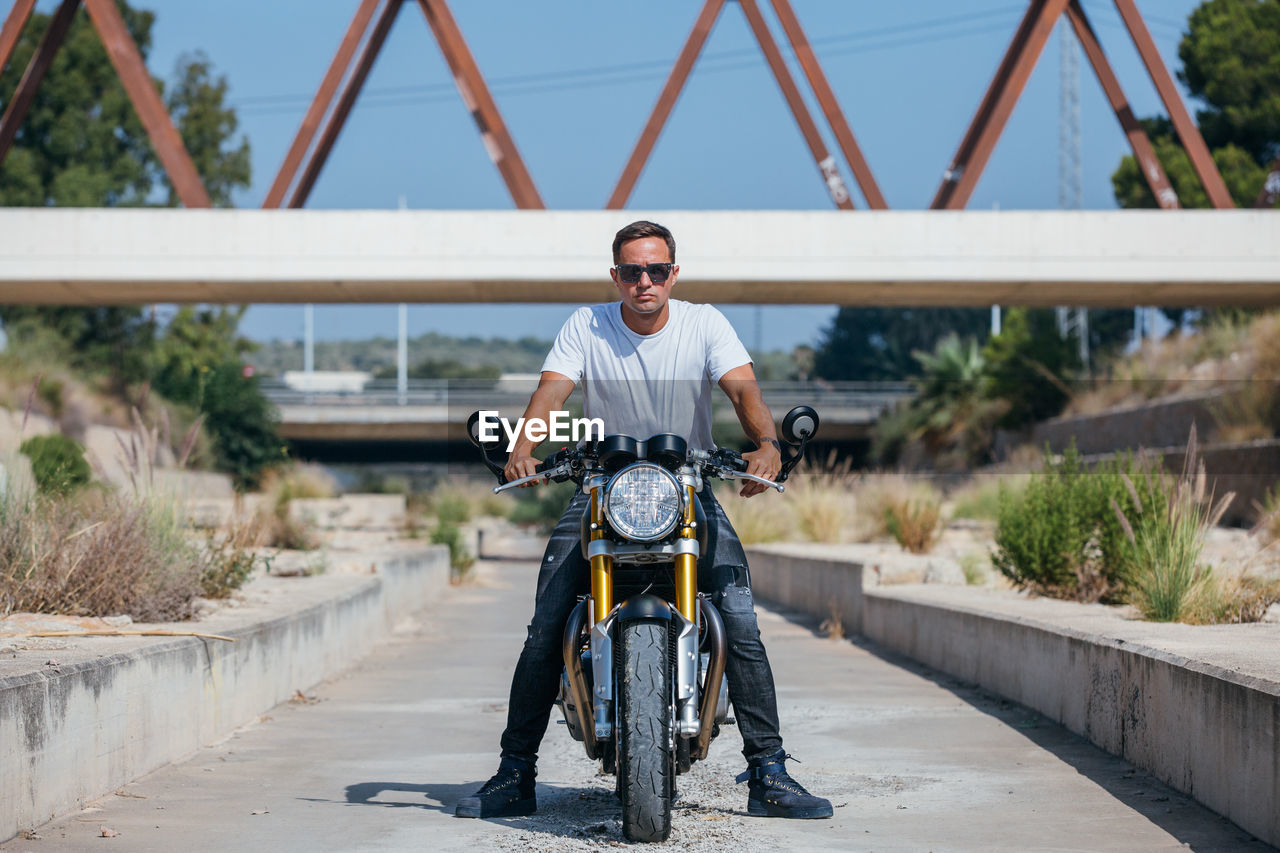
x=74, y=735
x=1192, y=714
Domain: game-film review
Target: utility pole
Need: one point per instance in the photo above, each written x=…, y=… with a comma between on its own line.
x=309, y=339
x=1070, y=167
x=402, y=356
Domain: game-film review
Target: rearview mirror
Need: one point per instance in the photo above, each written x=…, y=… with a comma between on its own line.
x=800, y=425
x=473, y=431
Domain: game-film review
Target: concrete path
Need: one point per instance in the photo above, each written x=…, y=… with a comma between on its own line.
x=376, y=759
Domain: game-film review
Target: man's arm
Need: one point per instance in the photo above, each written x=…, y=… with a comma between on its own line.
x=553, y=389
x=740, y=386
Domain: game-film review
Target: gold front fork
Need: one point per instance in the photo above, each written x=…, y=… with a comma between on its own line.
x=687, y=564
x=601, y=564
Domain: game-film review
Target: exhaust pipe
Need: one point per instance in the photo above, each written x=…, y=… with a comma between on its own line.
x=570, y=646
x=718, y=656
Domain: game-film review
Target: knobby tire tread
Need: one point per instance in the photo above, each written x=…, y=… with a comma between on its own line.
x=645, y=760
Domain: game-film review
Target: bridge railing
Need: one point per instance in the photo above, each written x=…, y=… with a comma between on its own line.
x=507, y=393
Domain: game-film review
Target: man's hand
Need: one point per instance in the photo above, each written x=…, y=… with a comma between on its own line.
x=765, y=462
x=521, y=465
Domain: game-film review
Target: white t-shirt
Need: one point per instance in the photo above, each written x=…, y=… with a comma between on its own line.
x=642, y=385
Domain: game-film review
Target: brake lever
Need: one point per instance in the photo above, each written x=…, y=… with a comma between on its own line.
x=743, y=475
x=551, y=473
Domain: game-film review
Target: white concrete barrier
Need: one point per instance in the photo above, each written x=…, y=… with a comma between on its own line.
x=1196, y=706
x=112, y=709
x=1017, y=257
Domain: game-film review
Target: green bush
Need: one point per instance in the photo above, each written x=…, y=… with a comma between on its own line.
x=1061, y=535
x=452, y=508
x=57, y=463
x=460, y=559
x=228, y=562
x=543, y=505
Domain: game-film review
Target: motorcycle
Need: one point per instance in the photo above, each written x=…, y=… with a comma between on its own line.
x=643, y=686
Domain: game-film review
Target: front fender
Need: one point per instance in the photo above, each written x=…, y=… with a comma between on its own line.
x=646, y=606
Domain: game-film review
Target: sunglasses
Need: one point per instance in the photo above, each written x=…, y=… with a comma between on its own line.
x=630, y=273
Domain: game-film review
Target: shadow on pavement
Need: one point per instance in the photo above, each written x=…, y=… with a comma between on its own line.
x=1194, y=825
x=563, y=811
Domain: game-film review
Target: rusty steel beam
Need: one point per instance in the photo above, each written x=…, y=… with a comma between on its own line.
x=13, y=24
x=1006, y=87
x=137, y=81
x=808, y=128
x=475, y=94
x=1143, y=152
x=830, y=106
x=666, y=102
x=1270, y=191
x=982, y=117
x=350, y=92
x=320, y=104
x=1188, y=133
x=53, y=37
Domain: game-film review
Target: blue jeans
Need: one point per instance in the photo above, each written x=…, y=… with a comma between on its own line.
x=564, y=575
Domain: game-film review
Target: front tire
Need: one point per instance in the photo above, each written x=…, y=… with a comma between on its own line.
x=646, y=769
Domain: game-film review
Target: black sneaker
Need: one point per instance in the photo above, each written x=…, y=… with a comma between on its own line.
x=510, y=793
x=773, y=793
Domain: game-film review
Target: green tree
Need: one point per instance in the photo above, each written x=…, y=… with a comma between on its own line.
x=196, y=340
x=82, y=145
x=443, y=369
x=952, y=414
x=1230, y=62
x=877, y=343
x=197, y=104
x=115, y=341
x=243, y=423
x=1030, y=366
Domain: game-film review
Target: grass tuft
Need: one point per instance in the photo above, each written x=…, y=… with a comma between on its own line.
x=1165, y=578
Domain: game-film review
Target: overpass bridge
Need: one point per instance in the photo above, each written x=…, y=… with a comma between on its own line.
x=435, y=411
x=1083, y=258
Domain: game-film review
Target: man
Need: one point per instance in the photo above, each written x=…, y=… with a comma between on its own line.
x=647, y=364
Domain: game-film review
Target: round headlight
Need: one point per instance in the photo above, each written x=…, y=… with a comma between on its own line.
x=643, y=502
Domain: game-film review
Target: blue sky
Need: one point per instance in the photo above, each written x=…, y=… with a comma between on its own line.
x=575, y=82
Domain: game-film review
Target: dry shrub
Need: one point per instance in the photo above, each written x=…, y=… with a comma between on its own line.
x=833, y=626
x=1264, y=347
x=299, y=480
x=878, y=493
x=762, y=518
x=915, y=523
x=97, y=554
x=822, y=500
x=1234, y=599
x=1268, y=514
x=475, y=495
x=1023, y=459
x=1180, y=362
x=273, y=525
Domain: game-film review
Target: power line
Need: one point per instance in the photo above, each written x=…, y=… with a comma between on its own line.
x=600, y=76
x=630, y=69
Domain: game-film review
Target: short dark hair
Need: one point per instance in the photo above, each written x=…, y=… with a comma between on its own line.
x=638, y=231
